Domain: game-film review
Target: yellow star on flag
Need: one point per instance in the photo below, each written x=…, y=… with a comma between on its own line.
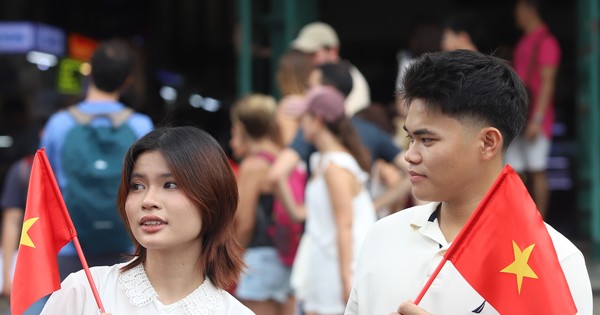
x=25, y=239
x=519, y=267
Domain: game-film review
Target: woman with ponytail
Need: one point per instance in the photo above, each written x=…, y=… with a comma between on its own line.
x=337, y=208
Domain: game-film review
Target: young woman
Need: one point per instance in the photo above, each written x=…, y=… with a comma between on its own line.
x=178, y=197
x=338, y=208
x=265, y=286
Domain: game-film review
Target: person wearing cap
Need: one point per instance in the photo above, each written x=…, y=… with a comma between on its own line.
x=321, y=41
x=338, y=209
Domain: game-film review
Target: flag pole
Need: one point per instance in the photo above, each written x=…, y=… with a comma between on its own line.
x=430, y=280
x=75, y=239
x=88, y=274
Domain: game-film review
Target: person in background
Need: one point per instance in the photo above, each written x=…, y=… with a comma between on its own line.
x=293, y=71
x=462, y=30
x=536, y=59
x=338, y=209
x=111, y=74
x=265, y=286
x=379, y=144
x=321, y=42
x=178, y=197
x=12, y=203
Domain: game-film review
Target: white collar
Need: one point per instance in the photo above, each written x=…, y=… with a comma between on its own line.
x=425, y=221
x=140, y=292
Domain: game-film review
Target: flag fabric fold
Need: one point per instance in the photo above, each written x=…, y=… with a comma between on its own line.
x=506, y=254
x=47, y=227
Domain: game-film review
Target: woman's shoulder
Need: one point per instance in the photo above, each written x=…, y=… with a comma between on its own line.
x=345, y=161
x=255, y=164
x=232, y=306
x=208, y=299
x=98, y=272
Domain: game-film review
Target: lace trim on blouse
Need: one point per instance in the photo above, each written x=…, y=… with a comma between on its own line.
x=140, y=292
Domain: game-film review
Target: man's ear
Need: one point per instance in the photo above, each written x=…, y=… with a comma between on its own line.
x=491, y=143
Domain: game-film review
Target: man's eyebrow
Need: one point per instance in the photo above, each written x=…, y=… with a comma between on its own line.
x=418, y=132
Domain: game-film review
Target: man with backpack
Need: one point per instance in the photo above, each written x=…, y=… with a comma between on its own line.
x=86, y=145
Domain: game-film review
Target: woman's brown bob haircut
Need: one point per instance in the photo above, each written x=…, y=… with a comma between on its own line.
x=202, y=171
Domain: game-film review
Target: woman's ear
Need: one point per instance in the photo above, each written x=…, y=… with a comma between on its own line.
x=491, y=143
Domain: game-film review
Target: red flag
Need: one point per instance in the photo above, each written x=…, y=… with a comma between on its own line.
x=47, y=227
x=505, y=252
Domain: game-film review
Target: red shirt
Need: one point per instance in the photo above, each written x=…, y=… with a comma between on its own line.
x=548, y=56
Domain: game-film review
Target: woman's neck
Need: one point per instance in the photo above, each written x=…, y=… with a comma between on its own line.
x=325, y=141
x=263, y=145
x=174, y=275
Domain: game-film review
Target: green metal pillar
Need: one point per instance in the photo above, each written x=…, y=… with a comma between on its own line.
x=588, y=120
x=284, y=19
x=244, y=66
x=287, y=17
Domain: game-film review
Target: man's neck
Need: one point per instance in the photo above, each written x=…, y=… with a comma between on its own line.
x=454, y=214
x=95, y=95
x=452, y=218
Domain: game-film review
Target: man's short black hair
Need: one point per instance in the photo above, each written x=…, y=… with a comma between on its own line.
x=112, y=64
x=337, y=75
x=469, y=85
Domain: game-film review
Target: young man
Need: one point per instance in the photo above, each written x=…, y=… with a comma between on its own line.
x=536, y=60
x=464, y=108
x=112, y=74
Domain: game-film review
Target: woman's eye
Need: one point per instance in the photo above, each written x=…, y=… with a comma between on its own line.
x=136, y=186
x=170, y=185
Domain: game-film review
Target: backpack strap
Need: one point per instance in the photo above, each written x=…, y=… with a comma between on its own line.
x=117, y=118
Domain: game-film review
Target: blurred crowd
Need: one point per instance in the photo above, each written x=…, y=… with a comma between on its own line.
x=315, y=167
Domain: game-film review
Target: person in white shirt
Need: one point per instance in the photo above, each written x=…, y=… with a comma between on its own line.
x=178, y=197
x=464, y=108
x=338, y=208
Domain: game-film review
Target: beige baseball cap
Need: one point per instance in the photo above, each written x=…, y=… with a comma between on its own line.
x=314, y=36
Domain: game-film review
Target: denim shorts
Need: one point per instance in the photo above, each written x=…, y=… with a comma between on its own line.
x=266, y=277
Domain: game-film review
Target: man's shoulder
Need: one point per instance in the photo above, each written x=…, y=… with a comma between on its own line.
x=59, y=124
x=563, y=246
